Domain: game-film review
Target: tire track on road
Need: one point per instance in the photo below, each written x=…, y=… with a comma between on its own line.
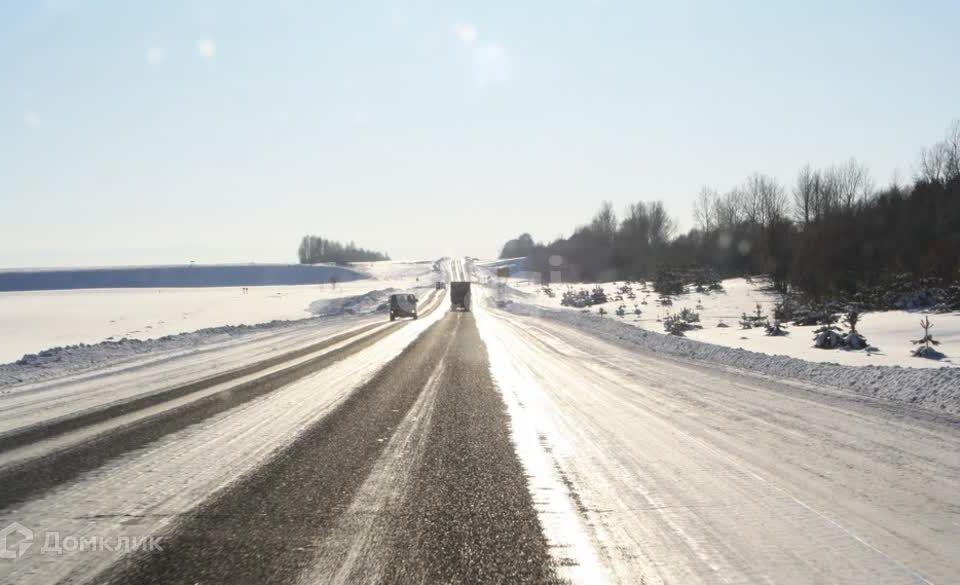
x=264, y=528
x=469, y=516
x=49, y=429
x=30, y=477
x=331, y=508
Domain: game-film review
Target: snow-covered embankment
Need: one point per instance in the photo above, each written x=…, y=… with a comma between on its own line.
x=936, y=389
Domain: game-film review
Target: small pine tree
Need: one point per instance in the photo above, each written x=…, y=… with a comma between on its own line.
x=927, y=342
x=851, y=318
x=853, y=339
x=685, y=320
x=776, y=329
x=674, y=325
x=758, y=319
x=827, y=337
x=598, y=296
x=785, y=309
x=927, y=338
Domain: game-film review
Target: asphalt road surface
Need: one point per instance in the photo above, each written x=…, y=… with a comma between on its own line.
x=471, y=448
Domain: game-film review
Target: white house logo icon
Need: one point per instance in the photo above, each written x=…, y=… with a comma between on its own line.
x=18, y=545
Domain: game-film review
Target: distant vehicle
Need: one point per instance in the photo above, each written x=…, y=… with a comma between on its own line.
x=440, y=285
x=460, y=296
x=403, y=305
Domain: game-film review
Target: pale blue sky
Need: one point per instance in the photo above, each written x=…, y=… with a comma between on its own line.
x=145, y=132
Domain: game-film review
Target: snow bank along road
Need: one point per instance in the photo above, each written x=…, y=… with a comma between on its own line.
x=475, y=447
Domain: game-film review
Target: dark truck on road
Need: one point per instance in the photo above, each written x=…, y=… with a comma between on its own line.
x=460, y=296
x=403, y=305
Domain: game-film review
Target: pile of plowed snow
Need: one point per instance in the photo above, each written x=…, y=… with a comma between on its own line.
x=375, y=300
x=936, y=389
x=69, y=359
x=423, y=271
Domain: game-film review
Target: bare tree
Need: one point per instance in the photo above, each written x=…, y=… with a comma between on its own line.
x=933, y=163
x=662, y=226
x=827, y=193
x=704, y=213
x=952, y=151
x=634, y=236
x=940, y=163
x=774, y=200
x=853, y=183
x=764, y=199
x=750, y=199
x=636, y=221
x=896, y=185
x=729, y=209
x=604, y=223
x=804, y=193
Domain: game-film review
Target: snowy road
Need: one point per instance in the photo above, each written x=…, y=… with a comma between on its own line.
x=686, y=474
x=472, y=447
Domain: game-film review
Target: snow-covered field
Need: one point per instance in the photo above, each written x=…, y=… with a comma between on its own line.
x=888, y=331
x=31, y=321
x=173, y=276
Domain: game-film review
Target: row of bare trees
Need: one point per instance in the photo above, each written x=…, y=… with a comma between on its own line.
x=940, y=163
x=832, y=231
x=314, y=249
x=606, y=247
x=762, y=200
